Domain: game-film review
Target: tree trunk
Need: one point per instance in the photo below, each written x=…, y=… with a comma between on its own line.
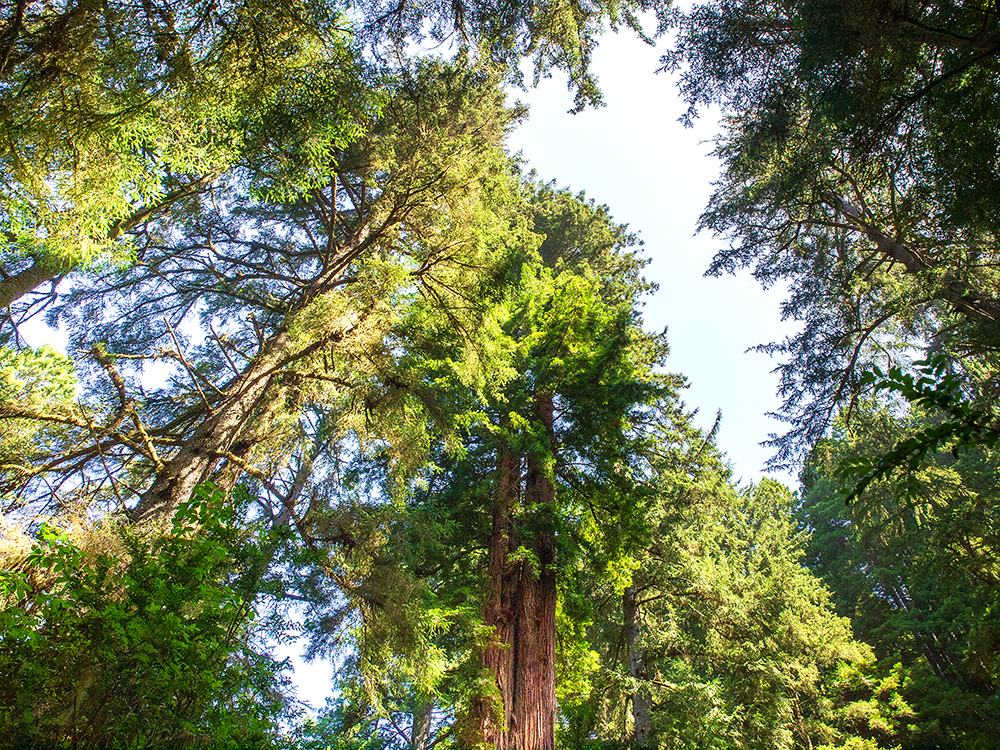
x=420, y=729
x=499, y=654
x=238, y=422
x=225, y=433
x=489, y=715
x=533, y=718
x=520, y=606
x=641, y=703
x=26, y=281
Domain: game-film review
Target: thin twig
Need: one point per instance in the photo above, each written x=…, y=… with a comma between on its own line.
x=194, y=378
x=222, y=348
x=107, y=469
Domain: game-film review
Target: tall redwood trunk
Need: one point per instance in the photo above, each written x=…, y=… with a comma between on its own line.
x=489, y=714
x=499, y=654
x=533, y=719
x=520, y=606
x=641, y=702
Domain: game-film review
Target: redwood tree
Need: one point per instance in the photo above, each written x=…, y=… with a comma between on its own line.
x=559, y=452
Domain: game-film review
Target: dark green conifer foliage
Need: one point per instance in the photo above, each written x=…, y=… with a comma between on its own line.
x=722, y=639
x=860, y=168
x=913, y=561
x=111, y=113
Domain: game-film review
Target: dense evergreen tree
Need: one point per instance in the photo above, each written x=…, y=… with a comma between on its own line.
x=860, y=168
x=495, y=525
x=567, y=438
x=722, y=639
x=913, y=561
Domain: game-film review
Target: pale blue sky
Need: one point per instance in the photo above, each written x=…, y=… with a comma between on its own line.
x=656, y=176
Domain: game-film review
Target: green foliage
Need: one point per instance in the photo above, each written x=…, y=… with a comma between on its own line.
x=855, y=173
x=41, y=375
x=936, y=389
x=343, y=725
x=32, y=382
x=111, y=114
x=109, y=638
x=914, y=561
x=555, y=34
x=736, y=644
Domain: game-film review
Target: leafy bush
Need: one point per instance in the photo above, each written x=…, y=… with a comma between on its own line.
x=109, y=637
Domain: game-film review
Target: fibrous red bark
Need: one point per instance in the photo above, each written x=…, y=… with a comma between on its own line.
x=641, y=703
x=520, y=607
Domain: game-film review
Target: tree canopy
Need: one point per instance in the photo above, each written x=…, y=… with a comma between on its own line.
x=859, y=155
x=339, y=372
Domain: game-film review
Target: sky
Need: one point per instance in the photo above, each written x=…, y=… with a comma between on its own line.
x=656, y=176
